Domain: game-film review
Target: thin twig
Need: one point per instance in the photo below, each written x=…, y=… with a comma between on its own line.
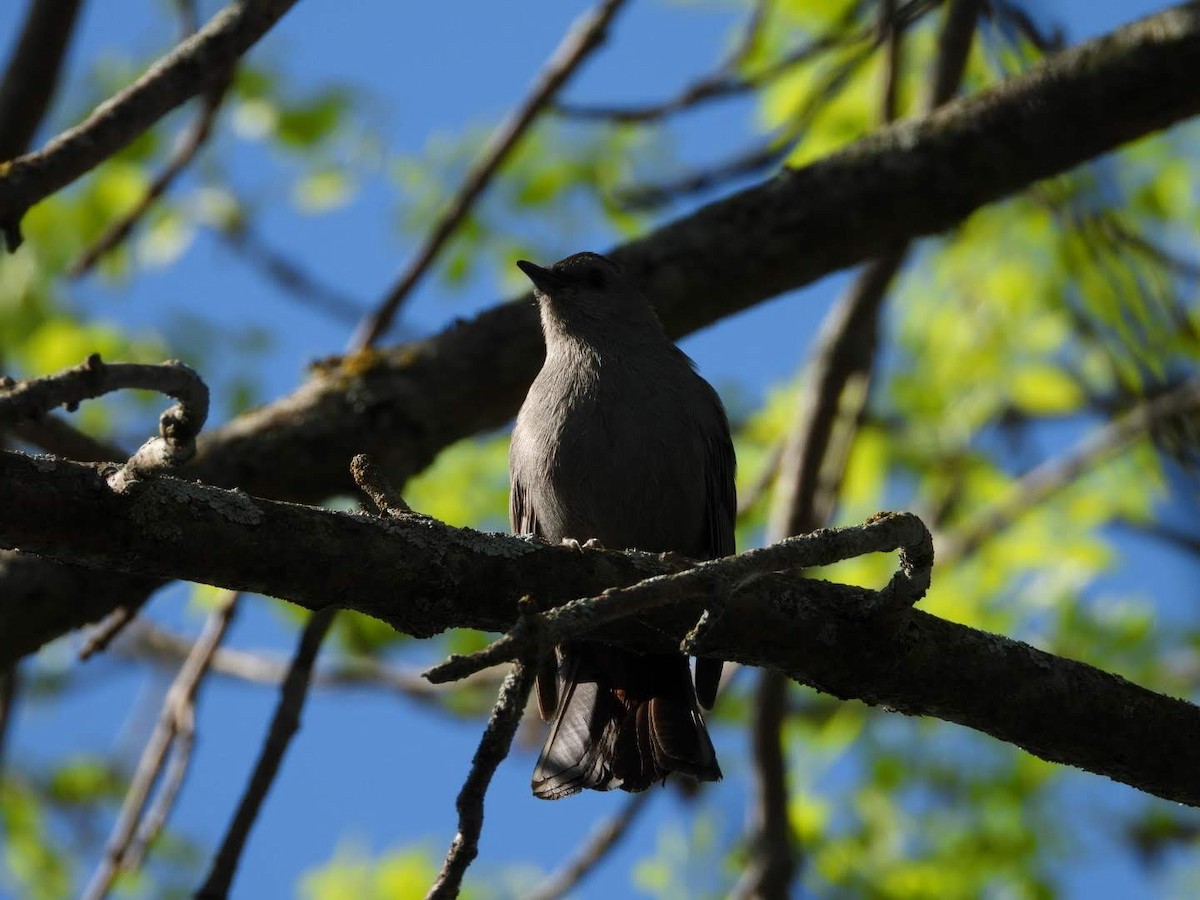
x=10, y=686
x=588, y=33
x=1052, y=476
x=593, y=851
x=178, y=426
x=493, y=748
x=748, y=162
x=719, y=85
x=187, y=70
x=884, y=532
x=177, y=711
x=290, y=275
x=153, y=643
x=284, y=724
x=109, y=628
x=726, y=80
x=774, y=859
x=372, y=482
x=58, y=437
x=185, y=151
x=756, y=159
x=156, y=816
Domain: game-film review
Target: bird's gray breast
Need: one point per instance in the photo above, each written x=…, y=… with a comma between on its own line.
x=616, y=455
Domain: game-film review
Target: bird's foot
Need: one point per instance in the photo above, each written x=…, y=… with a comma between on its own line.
x=589, y=544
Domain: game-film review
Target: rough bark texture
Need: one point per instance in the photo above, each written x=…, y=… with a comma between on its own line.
x=404, y=405
x=421, y=577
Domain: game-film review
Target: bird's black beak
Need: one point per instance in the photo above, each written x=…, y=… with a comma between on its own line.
x=543, y=279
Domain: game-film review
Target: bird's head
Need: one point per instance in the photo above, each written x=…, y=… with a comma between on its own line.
x=589, y=297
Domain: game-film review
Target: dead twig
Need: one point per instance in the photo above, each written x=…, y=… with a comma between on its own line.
x=493, y=748
x=883, y=533
x=175, y=721
x=284, y=724
x=152, y=643
x=190, y=144
x=372, y=482
x=288, y=274
x=588, y=33
x=1041, y=483
x=178, y=426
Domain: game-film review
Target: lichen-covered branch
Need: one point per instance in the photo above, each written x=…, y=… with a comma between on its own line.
x=177, y=427
x=423, y=577
x=917, y=177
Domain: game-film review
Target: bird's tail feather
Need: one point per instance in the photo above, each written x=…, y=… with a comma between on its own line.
x=623, y=720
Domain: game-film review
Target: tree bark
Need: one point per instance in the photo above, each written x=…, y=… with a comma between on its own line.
x=423, y=577
x=914, y=178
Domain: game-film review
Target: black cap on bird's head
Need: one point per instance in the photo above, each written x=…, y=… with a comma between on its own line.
x=582, y=271
x=589, y=297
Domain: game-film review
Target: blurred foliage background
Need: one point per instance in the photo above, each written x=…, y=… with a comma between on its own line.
x=1003, y=345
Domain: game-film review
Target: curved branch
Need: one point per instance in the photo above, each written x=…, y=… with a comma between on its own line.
x=194, y=65
x=917, y=177
x=423, y=577
x=177, y=427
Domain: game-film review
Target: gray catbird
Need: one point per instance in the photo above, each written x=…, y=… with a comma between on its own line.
x=620, y=441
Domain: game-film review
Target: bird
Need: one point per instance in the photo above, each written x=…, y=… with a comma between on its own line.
x=619, y=442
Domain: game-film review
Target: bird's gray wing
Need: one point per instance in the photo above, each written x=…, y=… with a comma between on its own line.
x=721, y=512
x=522, y=518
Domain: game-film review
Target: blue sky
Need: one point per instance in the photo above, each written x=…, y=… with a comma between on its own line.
x=370, y=769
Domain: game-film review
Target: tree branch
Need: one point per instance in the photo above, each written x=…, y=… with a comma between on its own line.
x=144, y=641
x=725, y=82
x=288, y=274
x=190, y=144
x=194, y=65
x=915, y=178
x=422, y=577
x=585, y=35
x=284, y=725
x=493, y=748
x=31, y=76
x=175, y=722
x=1052, y=476
x=177, y=427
